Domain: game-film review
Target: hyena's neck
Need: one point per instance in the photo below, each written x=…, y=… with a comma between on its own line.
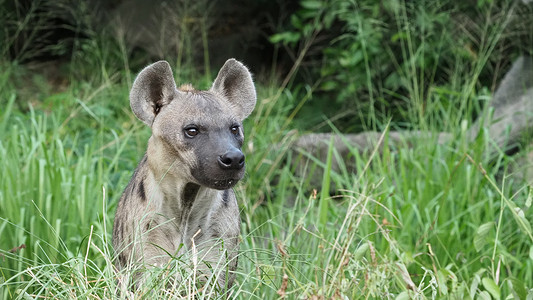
x=183, y=203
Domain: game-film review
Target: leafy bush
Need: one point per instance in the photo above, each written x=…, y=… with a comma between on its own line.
x=386, y=59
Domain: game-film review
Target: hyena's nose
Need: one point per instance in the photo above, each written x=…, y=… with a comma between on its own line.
x=231, y=160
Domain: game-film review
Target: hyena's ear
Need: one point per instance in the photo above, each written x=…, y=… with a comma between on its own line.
x=234, y=82
x=153, y=88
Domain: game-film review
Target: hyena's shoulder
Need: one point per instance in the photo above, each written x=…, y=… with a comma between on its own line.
x=136, y=188
x=132, y=198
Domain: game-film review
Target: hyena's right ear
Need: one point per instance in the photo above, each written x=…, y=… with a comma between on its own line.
x=153, y=88
x=234, y=82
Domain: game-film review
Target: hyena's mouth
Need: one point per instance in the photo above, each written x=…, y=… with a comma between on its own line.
x=224, y=184
x=219, y=182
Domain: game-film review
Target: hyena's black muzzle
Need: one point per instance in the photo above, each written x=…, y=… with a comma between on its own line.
x=220, y=160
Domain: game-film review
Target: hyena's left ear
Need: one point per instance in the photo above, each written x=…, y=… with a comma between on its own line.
x=234, y=82
x=153, y=88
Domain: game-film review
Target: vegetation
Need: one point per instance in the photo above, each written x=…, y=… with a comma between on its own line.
x=426, y=221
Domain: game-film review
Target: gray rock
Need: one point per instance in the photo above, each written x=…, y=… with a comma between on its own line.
x=512, y=106
x=511, y=121
x=512, y=118
x=515, y=83
x=313, y=147
x=521, y=169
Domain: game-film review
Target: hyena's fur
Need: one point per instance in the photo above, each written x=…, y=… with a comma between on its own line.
x=180, y=196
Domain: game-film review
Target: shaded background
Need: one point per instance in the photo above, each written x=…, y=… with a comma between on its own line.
x=355, y=56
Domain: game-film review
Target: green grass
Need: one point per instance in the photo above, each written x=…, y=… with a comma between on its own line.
x=432, y=220
x=425, y=221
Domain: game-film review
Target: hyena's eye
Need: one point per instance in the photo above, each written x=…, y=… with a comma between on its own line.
x=191, y=131
x=235, y=129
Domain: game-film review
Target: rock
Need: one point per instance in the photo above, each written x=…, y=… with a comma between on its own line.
x=512, y=106
x=514, y=84
x=511, y=121
x=317, y=146
x=512, y=118
x=521, y=169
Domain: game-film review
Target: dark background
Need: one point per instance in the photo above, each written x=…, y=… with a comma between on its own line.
x=353, y=55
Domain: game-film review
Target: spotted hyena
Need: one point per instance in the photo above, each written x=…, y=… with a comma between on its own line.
x=180, y=197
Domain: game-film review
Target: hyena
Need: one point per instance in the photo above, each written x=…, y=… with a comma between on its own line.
x=180, y=197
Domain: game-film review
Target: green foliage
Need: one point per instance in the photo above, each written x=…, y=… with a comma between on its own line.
x=384, y=59
x=424, y=220
x=427, y=221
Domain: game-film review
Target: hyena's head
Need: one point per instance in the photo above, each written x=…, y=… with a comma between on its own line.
x=196, y=134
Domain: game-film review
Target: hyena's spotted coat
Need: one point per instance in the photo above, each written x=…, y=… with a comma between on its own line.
x=180, y=196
